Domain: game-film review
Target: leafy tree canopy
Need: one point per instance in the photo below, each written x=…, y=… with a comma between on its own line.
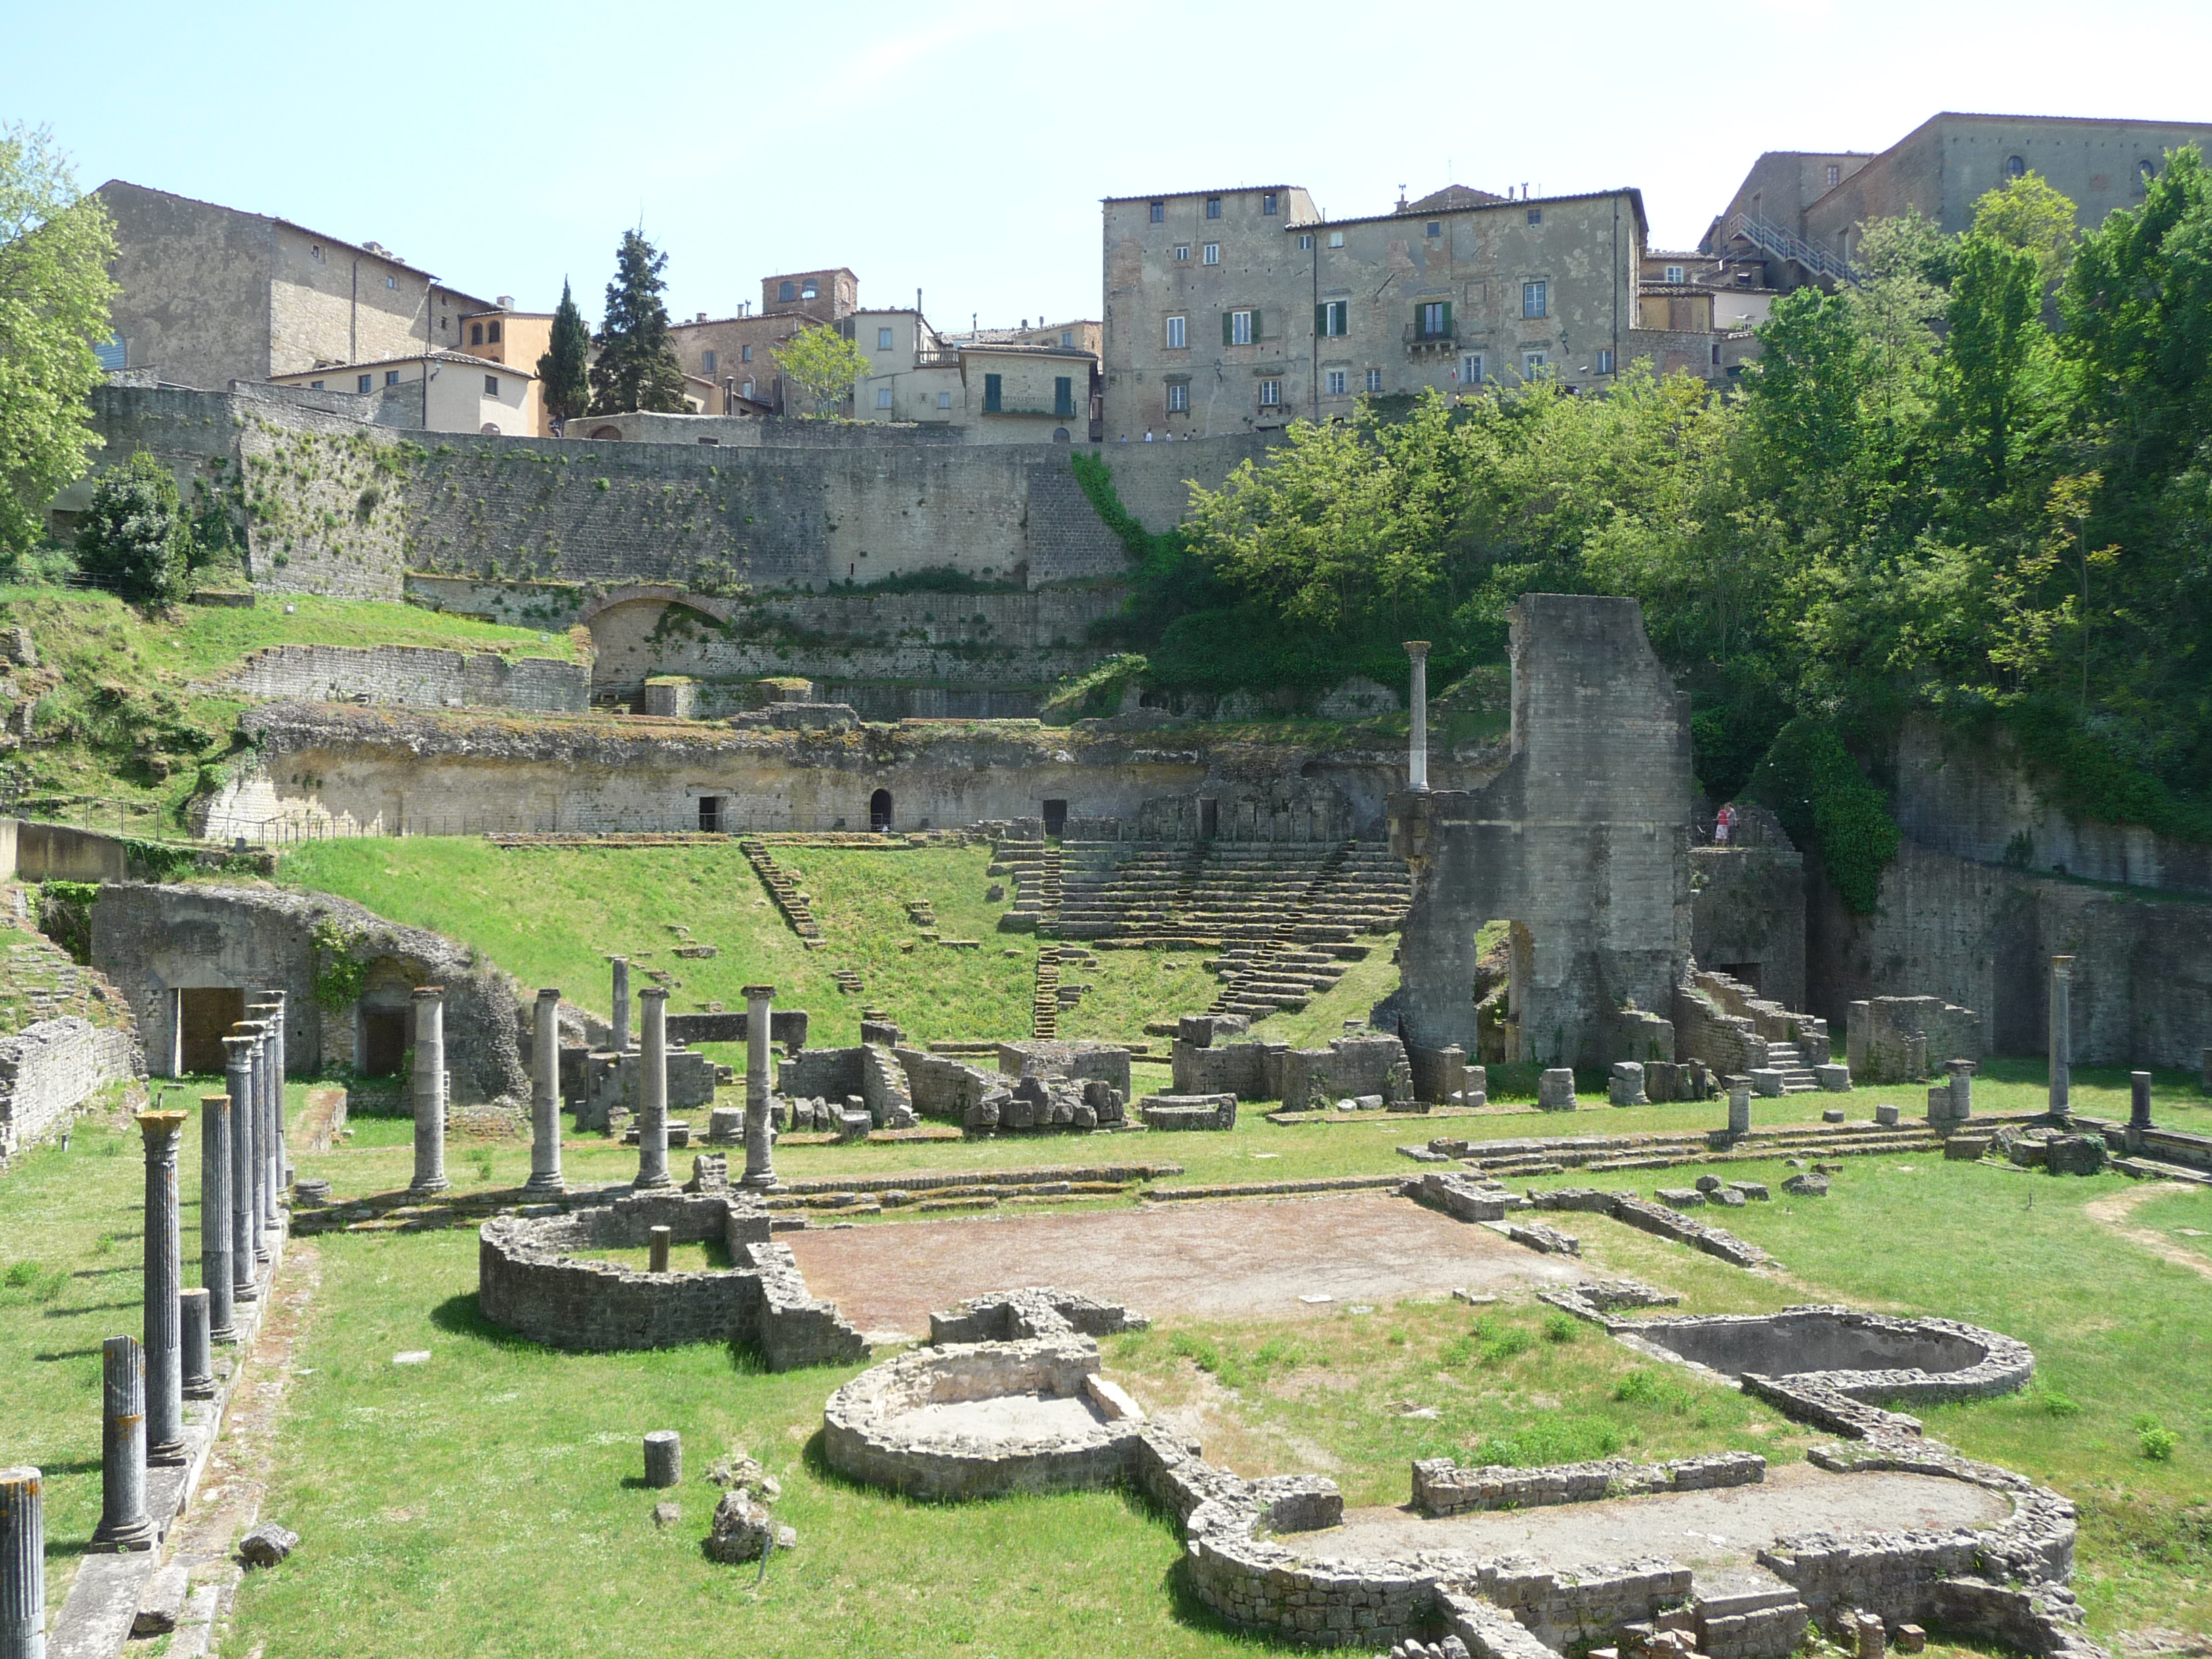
x=636, y=368
x=823, y=364
x=133, y=537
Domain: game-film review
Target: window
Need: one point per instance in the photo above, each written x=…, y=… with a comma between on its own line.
x=1267, y=204
x=1332, y=318
x=1374, y=379
x=945, y=400
x=391, y=282
x=1063, y=395
x=315, y=385
x=1674, y=273
x=2145, y=171
x=1213, y=207
x=2015, y=167
x=1067, y=337
x=1717, y=354
x=1237, y=328
x=491, y=385
x=1835, y=176
x=1179, y=399
x=1534, y=298
x=745, y=354
x=1271, y=394
x=1183, y=252
x=1532, y=363
x=883, y=339
x=491, y=333
x=1535, y=215
x=1433, y=318
x=1743, y=279
x=1336, y=238
x=1470, y=368
x=1176, y=342
x=1159, y=213
x=1306, y=241
x=1336, y=387
x=1605, y=361
x=362, y=383
x=476, y=333
x=786, y=292
x=1212, y=254
x=315, y=253
x=994, y=394
x=392, y=377
x=883, y=397
x=706, y=362
x=811, y=291
x=746, y=390
x=1432, y=229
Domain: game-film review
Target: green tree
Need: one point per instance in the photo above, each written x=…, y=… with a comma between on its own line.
x=2028, y=214
x=822, y=363
x=1993, y=335
x=564, y=372
x=134, y=535
x=636, y=368
x=55, y=247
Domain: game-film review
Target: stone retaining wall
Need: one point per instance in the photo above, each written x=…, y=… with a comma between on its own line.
x=49, y=1069
x=411, y=675
x=1188, y=1111
x=1442, y=1487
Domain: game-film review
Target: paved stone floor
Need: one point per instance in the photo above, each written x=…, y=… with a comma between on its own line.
x=1703, y=1530
x=1224, y=1258
x=1006, y=1417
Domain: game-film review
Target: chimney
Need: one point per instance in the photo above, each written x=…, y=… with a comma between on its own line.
x=506, y=302
x=700, y=318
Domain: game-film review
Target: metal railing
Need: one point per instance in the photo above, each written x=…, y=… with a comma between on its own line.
x=1783, y=244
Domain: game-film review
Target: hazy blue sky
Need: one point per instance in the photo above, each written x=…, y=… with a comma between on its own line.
x=962, y=148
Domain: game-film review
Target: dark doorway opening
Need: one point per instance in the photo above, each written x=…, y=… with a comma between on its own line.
x=880, y=810
x=383, y=1041
x=1746, y=971
x=1209, y=819
x=710, y=815
x=1056, y=817
x=204, y=1016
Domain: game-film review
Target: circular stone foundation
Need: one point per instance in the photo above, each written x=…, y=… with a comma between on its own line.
x=981, y=1419
x=1865, y=1357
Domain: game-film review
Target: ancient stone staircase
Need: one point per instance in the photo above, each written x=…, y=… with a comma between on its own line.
x=1599, y=1154
x=1797, y=1077
x=783, y=888
x=1044, y=1003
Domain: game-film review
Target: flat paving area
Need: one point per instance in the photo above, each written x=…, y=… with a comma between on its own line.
x=1223, y=1258
x=1006, y=1418
x=1700, y=1529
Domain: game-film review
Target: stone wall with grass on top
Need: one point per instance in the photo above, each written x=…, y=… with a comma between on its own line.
x=49, y=1069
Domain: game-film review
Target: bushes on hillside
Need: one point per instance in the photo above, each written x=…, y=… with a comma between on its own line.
x=133, y=537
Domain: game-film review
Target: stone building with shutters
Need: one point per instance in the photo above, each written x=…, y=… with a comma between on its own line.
x=1239, y=310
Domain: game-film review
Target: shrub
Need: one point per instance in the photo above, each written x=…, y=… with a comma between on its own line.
x=1562, y=1327
x=1814, y=786
x=133, y=537
x=2158, y=1443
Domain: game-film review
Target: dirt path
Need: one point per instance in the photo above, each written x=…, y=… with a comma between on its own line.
x=2113, y=1212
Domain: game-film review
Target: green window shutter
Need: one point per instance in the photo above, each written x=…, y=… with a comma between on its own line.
x=1228, y=324
x=1447, y=327
x=1255, y=327
x=1321, y=319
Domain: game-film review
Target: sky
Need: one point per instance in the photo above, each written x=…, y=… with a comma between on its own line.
x=962, y=148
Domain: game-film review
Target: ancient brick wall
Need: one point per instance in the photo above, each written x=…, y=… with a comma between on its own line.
x=48, y=1069
x=1747, y=916
x=414, y=677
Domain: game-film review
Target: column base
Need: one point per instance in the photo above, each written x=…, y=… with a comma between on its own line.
x=199, y=1388
x=227, y=1335
x=547, y=1186
x=658, y=1184
x=243, y=1293
x=125, y=1539
x=760, y=1183
x=428, y=1188
x=171, y=1456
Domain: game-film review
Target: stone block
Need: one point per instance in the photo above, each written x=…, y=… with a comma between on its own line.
x=267, y=1545
x=2075, y=1155
x=1833, y=1080
x=725, y=1125
x=1767, y=1082
x=1831, y=1115
x=1807, y=1185
x=1886, y=1116
x=1754, y=1190
x=1625, y=1086
x=1555, y=1090
x=1680, y=1198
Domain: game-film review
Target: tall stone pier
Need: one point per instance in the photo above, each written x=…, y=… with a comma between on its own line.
x=1582, y=842
x=23, y=1564
x=652, y=1094
x=238, y=1068
x=545, y=1096
x=123, y=1522
x=429, y=1092
x=760, y=1160
x=2062, y=1036
x=1417, y=747
x=164, y=1335
x=619, y=1041
x=256, y=1119
x=215, y=1216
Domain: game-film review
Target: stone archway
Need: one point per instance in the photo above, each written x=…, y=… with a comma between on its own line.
x=880, y=810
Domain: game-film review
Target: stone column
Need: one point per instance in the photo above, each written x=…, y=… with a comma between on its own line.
x=279, y=1163
x=1962, y=1089
x=1739, y=1096
x=760, y=1158
x=664, y=1453
x=2061, y=1034
x=123, y=1522
x=238, y=1067
x=620, y=1042
x=545, y=1096
x=429, y=1091
x=2138, y=1108
x=269, y=1138
x=248, y=1116
x=215, y=1215
x=1417, y=753
x=22, y=1565
x=653, y=1093
x=199, y=1350
x=657, y=1241
x=164, y=1340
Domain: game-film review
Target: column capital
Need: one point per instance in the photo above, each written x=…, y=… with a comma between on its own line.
x=1417, y=649
x=549, y=993
x=424, y=993
x=156, y=1125
x=653, y=993
x=759, y=993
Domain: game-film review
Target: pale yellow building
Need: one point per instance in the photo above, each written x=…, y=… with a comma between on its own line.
x=462, y=393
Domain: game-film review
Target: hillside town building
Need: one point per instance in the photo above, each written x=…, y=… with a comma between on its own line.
x=438, y=392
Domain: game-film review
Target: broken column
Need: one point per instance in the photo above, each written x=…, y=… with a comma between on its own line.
x=760, y=1161
x=429, y=1091
x=545, y=1096
x=164, y=1342
x=657, y=1241
x=123, y=1522
x=2138, y=1108
x=664, y=1451
x=215, y=1215
x=2061, y=1034
x=653, y=1093
x=1962, y=1089
x=23, y=1564
x=1417, y=750
x=199, y=1350
x=238, y=1073
x=620, y=1042
x=1739, y=1091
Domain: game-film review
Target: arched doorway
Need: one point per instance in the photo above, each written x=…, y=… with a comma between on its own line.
x=880, y=810
x=607, y=431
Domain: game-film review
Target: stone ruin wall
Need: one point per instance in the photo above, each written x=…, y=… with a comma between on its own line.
x=411, y=676
x=48, y=1069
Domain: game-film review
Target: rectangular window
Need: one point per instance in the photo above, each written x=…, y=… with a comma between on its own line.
x=1306, y=241
x=1159, y=212
x=315, y=385
x=362, y=384
x=1374, y=379
x=1605, y=361
x=476, y=333
x=883, y=339
x=1535, y=215
x=1674, y=274
x=1336, y=387
x=746, y=390
x=945, y=400
x=883, y=397
x=1067, y=337
x=491, y=332
x=392, y=377
x=1470, y=369
x=1717, y=354
x=1434, y=319
x=1267, y=204
x=706, y=362
x=1332, y=318
x=1179, y=399
x=1534, y=299
x=1212, y=254
x=1271, y=394
x=745, y=354
x=1213, y=207
x=1432, y=229
x=1063, y=396
x=1236, y=329
x=1835, y=177
x=1532, y=363
x=1336, y=238
x=1183, y=252
x=491, y=385
x=1176, y=342
x=993, y=394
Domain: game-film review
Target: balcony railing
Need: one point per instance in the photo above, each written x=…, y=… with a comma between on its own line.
x=1420, y=339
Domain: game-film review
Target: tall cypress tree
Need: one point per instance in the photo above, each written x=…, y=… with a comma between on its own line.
x=564, y=372
x=637, y=368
